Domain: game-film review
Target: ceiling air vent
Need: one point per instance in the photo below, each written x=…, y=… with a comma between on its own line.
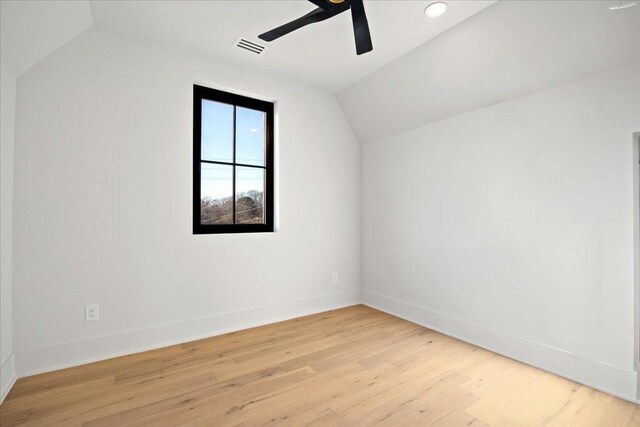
x=249, y=46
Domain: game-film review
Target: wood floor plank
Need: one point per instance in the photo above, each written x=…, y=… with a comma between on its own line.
x=353, y=366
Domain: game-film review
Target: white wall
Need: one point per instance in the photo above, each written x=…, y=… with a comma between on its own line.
x=7, y=114
x=512, y=227
x=103, y=181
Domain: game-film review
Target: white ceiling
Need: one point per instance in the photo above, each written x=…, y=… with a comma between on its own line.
x=32, y=30
x=511, y=49
x=321, y=54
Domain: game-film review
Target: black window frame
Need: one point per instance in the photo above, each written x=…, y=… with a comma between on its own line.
x=201, y=93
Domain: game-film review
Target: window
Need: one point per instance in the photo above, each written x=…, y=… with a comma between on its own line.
x=233, y=163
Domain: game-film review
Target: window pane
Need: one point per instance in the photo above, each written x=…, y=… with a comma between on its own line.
x=216, y=194
x=217, y=131
x=249, y=195
x=250, y=129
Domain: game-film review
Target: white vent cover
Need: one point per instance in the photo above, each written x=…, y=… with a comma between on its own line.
x=249, y=45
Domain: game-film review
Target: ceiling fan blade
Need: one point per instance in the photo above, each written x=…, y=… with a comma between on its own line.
x=312, y=17
x=360, y=27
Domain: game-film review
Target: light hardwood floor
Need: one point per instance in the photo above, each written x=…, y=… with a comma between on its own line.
x=354, y=366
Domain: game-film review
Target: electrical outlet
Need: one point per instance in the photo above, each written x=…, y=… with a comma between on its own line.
x=91, y=312
x=334, y=278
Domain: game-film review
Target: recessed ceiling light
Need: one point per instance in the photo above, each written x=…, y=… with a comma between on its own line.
x=616, y=5
x=436, y=9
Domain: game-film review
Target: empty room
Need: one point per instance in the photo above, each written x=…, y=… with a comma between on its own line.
x=320, y=212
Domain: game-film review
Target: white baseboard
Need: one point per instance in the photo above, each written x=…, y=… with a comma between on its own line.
x=76, y=353
x=601, y=376
x=8, y=376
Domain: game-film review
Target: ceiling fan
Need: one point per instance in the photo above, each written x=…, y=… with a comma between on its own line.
x=327, y=9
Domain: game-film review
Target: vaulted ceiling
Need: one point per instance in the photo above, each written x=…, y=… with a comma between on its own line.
x=421, y=70
x=32, y=30
x=511, y=49
x=321, y=54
